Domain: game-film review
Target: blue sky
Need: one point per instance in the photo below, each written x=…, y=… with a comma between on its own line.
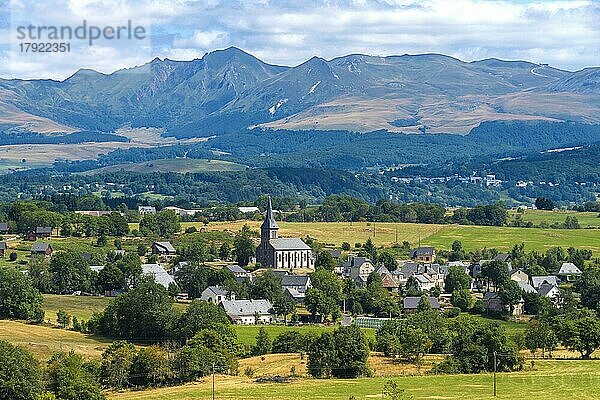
x=565, y=34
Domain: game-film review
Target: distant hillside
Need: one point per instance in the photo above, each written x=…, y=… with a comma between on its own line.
x=228, y=91
x=179, y=165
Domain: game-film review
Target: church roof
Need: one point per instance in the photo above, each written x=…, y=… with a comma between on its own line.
x=269, y=222
x=288, y=244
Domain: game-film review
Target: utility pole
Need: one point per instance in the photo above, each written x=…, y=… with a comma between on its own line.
x=494, y=374
x=213, y=382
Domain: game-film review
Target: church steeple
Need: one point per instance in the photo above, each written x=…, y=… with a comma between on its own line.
x=269, y=227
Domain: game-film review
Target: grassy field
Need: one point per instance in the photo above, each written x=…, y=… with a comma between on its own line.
x=548, y=380
x=181, y=165
x=247, y=333
x=440, y=236
x=43, y=341
x=586, y=219
x=81, y=307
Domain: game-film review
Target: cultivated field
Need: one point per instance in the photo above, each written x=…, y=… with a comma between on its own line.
x=440, y=236
x=548, y=380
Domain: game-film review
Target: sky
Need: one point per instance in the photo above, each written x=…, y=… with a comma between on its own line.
x=564, y=34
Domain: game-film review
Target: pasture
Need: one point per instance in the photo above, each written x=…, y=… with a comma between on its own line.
x=547, y=380
x=586, y=219
x=43, y=341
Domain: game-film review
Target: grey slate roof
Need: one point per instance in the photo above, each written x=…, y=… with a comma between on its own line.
x=355, y=262
x=288, y=244
x=545, y=289
x=335, y=253
x=165, y=246
x=537, y=281
x=3, y=226
x=216, y=290
x=295, y=294
x=504, y=257
x=40, y=247
x=3, y=246
x=295, y=280
x=269, y=222
x=380, y=270
x=422, y=251
x=158, y=273
x=568, y=268
x=412, y=303
x=526, y=287
x=239, y=308
x=43, y=229
x=236, y=269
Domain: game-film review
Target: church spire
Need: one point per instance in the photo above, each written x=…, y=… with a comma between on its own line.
x=269, y=222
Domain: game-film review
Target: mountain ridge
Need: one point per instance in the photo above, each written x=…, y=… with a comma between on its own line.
x=231, y=90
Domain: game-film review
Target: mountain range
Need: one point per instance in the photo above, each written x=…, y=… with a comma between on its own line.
x=230, y=90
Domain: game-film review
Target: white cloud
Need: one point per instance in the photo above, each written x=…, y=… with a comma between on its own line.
x=565, y=34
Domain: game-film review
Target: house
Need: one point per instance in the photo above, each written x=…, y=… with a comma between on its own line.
x=216, y=294
x=163, y=249
x=158, y=273
x=504, y=257
x=335, y=253
x=423, y=254
x=246, y=210
x=94, y=213
x=246, y=312
x=526, y=287
x=493, y=304
x=3, y=228
x=96, y=268
x=389, y=283
x=42, y=249
x=276, y=252
x=144, y=210
x=296, y=286
x=301, y=283
x=182, y=212
x=537, y=281
x=459, y=264
x=3, y=248
x=43, y=231
x=411, y=304
x=569, y=272
x=426, y=282
x=240, y=273
x=550, y=291
x=358, y=267
x=177, y=267
x=518, y=275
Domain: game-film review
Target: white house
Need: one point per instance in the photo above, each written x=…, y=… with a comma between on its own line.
x=216, y=294
x=143, y=210
x=244, y=312
x=569, y=271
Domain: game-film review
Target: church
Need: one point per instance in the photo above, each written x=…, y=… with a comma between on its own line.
x=281, y=253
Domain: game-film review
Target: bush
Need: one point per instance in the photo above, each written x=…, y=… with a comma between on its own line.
x=191, y=229
x=452, y=312
x=12, y=256
x=20, y=373
x=18, y=298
